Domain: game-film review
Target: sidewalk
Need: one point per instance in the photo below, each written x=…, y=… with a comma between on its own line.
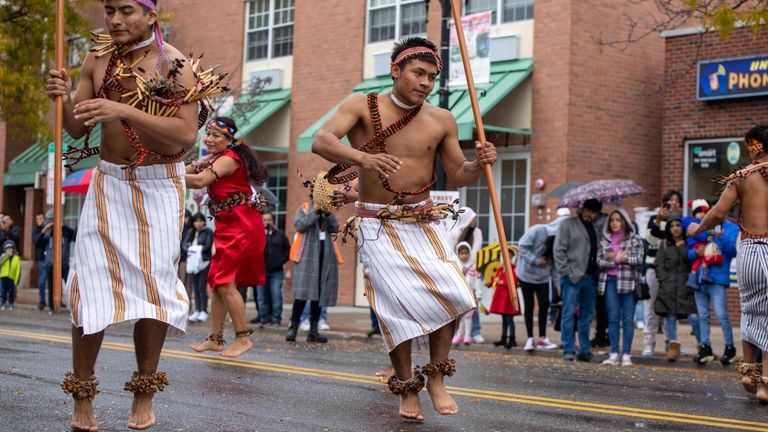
x=354, y=322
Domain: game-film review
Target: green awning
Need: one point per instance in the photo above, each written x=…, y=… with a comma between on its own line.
x=505, y=76
x=269, y=102
x=23, y=169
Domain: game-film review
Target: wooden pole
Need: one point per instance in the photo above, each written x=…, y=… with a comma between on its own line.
x=456, y=12
x=58, y=142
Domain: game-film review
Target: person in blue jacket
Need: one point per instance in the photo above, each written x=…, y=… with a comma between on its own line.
x=712, y=281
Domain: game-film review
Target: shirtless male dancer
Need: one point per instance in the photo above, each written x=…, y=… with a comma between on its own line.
x=749, y=186
x=128, y=237
x=412, y=280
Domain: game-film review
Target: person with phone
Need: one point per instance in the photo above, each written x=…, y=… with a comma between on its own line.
x=654, y=237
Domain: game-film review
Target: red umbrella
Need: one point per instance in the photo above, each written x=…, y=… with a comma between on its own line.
x=78, y=181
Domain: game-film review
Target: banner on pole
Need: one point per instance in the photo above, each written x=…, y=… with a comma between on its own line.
x=49, y=186
x=477, y=32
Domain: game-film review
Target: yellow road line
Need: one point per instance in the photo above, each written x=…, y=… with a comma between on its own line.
x=618, y=410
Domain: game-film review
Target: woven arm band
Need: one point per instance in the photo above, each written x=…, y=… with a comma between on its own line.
x=80, y=389
x=446, y=367
x=414, y=384
x=147, y=383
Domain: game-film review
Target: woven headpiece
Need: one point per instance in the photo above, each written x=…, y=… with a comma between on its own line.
x=755, y=146
x=415, y=52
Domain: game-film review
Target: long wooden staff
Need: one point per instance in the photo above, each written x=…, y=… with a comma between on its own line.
x=456, y=13
x=58, y=142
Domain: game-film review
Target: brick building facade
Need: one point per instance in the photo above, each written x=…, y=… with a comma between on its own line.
x=715, y=125
x=592, y=110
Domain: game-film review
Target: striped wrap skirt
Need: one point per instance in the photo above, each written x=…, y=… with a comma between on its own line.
x=412, y=278
x=752, y=275
x=127, y=249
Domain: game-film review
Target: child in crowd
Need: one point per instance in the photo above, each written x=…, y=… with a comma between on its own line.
x=467, y=266
x=501, y=304
x=10, y=273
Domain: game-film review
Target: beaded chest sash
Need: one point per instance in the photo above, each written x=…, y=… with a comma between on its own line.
x=378, y=144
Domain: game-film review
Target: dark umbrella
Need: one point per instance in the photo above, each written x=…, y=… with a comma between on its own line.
x=605, y=191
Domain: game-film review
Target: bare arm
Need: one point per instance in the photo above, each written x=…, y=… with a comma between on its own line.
x=460, y=171
x=60, y=84
x=222, y=167
x=328, y=143
x=718, y=213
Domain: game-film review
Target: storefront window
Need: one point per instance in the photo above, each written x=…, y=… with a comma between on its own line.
x=73, y=205
x=277, y=183
x=511, y=175
x=705, y=159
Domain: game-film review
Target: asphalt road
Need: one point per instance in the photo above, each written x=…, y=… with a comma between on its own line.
x=311, y=387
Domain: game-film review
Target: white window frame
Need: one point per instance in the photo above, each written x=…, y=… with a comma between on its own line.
x=492, y=235
x=270, y=31
x=499, y=12
x=280, y=212
x=398, y=5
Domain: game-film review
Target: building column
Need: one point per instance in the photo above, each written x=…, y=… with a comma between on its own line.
x=33, y=204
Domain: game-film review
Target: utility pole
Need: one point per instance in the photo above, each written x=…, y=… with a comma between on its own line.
x=443, y=91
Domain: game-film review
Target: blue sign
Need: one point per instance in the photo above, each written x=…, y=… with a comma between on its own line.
x=732, y=78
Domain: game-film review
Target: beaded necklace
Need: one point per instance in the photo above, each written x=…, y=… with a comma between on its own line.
x=378, y=144
x=161, y=96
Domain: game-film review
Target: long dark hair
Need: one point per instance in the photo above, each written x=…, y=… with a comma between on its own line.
x=255, y=168
x=668, y=231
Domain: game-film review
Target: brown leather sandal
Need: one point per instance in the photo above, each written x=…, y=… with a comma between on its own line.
x=147, y=383
x=80, y=389
x=414, y=384
x=446, y=367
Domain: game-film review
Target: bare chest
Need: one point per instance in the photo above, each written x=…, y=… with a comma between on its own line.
x=419, y=139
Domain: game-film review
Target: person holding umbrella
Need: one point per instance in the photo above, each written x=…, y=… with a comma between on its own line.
x=576, y=248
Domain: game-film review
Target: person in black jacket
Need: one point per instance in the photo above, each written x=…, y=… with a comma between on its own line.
x=196, y=247
x=270, y=296
x=46, y=240
x=42, y=274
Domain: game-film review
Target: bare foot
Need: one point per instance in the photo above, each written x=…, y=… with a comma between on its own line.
x=410, y=407
x=207, y=345
x=746, y=381
x=762, y=394
x=441, y=400
x=83, y=418
x=386, y=373
x=239, y=346
x=142, y=416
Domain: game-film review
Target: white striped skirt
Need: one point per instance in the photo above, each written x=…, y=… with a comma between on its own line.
x=127, y=249
x=752, y=275
x=413, y=282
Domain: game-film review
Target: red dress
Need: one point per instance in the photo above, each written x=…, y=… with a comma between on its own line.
x=501, y=304
x=239, y=236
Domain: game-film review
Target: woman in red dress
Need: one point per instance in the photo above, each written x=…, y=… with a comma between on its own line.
x=229, y=171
